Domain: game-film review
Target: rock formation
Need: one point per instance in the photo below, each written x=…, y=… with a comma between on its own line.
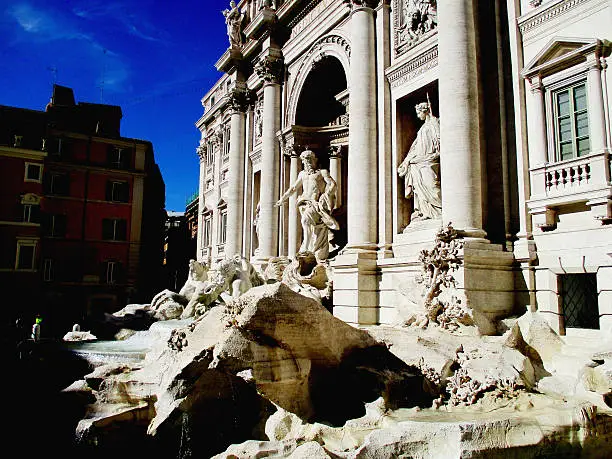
x=267, y=371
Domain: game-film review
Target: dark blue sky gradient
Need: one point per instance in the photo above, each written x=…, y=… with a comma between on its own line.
x=154, y=58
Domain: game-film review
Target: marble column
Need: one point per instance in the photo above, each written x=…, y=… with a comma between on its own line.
x=293, y=242
x=235, y=188
x=362, y=178
x=270, y=70
x=460, y=155
x=335, y=170
x=597, y=116
x=201, y=151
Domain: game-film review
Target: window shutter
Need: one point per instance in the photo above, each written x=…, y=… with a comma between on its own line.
x=107, y=229
x=109, y=190
x=121, y=230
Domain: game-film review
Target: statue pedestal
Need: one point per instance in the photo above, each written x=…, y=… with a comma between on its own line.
x=417, y=236
x=355, y=293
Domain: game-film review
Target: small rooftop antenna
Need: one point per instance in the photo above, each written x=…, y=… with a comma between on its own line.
x=103, y=77
x=53, y=71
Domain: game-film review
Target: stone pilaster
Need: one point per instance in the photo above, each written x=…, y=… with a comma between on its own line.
x=293, y=224
x=538, y=153
x=460, y=155
x=201, y=152
x=386, y=172
x=270, y=71
x=597, y=116
x=335, y=170
x=235, y=190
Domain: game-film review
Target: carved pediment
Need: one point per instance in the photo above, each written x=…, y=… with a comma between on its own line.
x=30, y=198
x=561, y=52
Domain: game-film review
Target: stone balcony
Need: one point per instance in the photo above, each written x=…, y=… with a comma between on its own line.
x=580, y=180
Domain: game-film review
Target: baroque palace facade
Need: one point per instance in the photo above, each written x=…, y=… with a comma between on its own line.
x=510, y=143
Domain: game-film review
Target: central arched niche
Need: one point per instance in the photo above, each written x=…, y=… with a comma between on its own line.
x=317, y=105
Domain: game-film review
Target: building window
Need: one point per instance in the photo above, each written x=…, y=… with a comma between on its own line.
x=207, y=230
x=112, y=272
x=114, y=229
x=117, y=191
x=55, y=225
x=579, y=296
x=222, y=225
x=33, y=172
x=119, y=158
x=58, y=184
x=31, y=213
x=48, y=270
x=571, y=122
x=26, y=250
x=17, y=140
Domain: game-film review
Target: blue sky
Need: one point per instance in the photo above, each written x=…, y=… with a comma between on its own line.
x=154, y=58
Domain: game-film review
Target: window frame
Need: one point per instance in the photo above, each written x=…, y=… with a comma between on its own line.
x=28, y=165
x=28, y=216
x=115, y=186
x=553, y=85
x=48, y=275
x=53, y=178
x=26, y=243
x=111, y=272
x=115, y=231
x=52, y=227
x=222, y=235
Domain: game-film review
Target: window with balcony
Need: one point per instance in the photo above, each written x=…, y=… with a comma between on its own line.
x=117, y=191
x=567, y=129
x=571, y=122
x=114, y=229
x=33, y=172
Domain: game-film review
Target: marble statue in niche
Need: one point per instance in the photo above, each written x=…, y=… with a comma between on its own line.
x=315, y=204
x=421, y=167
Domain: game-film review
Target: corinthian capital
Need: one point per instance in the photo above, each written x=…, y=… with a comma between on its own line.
x=239, y=99
x=270, y=69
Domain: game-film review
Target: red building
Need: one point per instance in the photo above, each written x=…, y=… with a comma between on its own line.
x=81, y=211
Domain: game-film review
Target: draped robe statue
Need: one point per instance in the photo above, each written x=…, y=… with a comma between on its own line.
x=421, y=168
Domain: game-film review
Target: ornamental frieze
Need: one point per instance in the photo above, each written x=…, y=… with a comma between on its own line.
x=413, y=20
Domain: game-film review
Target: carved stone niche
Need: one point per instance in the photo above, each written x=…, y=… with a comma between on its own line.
x=413, y=20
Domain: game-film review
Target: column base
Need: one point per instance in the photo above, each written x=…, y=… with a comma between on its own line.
x=355, y=288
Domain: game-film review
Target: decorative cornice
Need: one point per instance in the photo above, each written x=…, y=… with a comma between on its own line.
x=270, y=69
x=303, y=13
x=334, y=151
x=533, y=22
x=356, y=4
x=414, y=67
